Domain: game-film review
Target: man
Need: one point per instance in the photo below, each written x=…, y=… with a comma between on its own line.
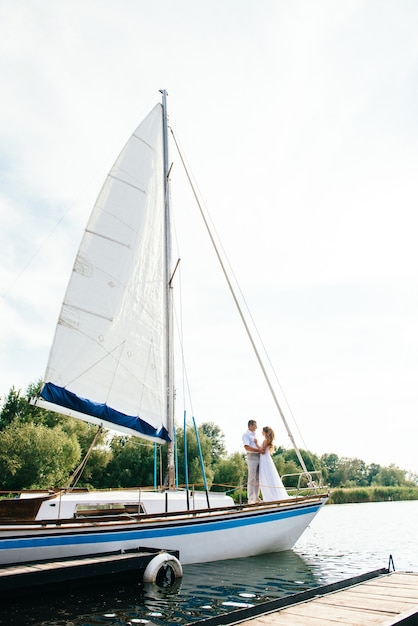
x=253, y=461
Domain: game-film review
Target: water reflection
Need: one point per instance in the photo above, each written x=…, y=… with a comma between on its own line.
x=264, y=576
x=204, y=591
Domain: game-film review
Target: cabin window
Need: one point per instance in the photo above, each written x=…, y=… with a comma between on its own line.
x=107, y=509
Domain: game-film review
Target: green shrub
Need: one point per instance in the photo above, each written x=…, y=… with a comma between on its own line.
x=372, y=494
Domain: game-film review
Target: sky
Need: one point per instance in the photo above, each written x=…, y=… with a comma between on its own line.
x=299, y=121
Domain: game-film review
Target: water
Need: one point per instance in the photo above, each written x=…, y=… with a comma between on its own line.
x=352, y=538
x=342, y=541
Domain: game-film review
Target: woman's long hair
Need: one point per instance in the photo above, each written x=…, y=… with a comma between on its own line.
x=269, y=437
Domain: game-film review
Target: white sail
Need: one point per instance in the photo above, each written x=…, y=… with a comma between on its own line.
x=107, y=364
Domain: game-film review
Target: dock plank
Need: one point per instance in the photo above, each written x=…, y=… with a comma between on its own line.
x=373, y=602
x=402, y=618
x=383, y=601
x=337, y=614
x=385, y=590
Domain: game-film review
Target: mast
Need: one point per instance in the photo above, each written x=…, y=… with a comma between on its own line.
x=169, y=298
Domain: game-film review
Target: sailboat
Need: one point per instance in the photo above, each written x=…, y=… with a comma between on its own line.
x=111, y=364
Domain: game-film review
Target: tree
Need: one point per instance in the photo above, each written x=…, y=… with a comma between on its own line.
x=356, y=472
x=390, y=476
x=33, y=456
x=372, y=471
x=412, y=478
x=290, y=470
x=230, y=473
x=216, y=437
x=330, y=464
x=17, y=409
x=14, y=406
x=312, y=462
x=99, y=457
x=17, y=406
x=195, y=476
x=345, y=472
x=131, y=464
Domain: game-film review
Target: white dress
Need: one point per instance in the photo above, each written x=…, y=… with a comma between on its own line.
x=270, y=482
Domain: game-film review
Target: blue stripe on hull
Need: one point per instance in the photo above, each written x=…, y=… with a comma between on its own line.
x=190, y=528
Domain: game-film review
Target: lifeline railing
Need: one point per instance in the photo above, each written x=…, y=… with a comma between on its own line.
x=314, y=482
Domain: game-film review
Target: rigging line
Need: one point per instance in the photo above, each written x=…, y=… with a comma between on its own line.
x=178, y=316
x=248, y=310
x=37, y=251
x=32, y=257
x=244, y=321
x=76, y=475
x=107, y=353
x=185, y=379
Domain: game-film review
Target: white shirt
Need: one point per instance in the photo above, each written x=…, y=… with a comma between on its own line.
x=248, y=440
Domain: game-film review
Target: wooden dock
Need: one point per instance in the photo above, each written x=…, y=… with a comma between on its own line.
x=378, y=598
x=384, y=601
x=77, y=569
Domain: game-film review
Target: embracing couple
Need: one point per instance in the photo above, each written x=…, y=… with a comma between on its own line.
x=262, y=473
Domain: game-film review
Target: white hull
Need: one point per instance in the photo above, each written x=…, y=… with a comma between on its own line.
x=199, y=536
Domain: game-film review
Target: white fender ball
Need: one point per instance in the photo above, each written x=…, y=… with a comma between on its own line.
x=163, y=570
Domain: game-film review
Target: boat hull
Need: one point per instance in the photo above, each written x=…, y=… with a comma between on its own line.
x=199, y=537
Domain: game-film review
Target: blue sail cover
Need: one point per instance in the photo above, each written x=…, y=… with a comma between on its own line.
x=58, y=395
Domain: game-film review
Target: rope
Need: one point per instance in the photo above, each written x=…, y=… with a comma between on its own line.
x=240, y=311
x=76, y=475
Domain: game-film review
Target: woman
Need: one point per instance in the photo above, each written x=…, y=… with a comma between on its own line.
x=270, y=482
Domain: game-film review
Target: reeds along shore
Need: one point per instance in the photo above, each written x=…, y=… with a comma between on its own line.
x=372, y=494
